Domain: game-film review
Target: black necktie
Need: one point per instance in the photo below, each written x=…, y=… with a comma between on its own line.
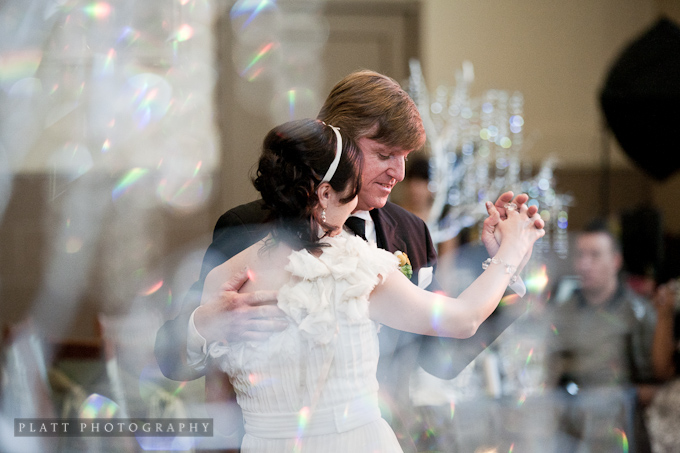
x=357, y=225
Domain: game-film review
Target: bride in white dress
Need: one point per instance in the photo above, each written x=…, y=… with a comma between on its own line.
x=313, y=387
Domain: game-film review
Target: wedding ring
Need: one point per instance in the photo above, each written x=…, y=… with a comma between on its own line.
x=510, y=206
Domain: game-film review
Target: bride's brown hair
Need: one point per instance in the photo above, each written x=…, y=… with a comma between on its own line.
x=295, y=157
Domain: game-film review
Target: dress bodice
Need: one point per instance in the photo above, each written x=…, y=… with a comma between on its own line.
x=328, y=355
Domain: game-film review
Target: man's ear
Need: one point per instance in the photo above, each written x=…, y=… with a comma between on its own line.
x=324, y=194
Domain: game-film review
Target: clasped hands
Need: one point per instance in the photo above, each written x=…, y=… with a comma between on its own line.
x=498, y=212
x=229, y=315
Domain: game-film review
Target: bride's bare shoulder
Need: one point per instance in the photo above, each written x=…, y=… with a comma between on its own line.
x=264, y=261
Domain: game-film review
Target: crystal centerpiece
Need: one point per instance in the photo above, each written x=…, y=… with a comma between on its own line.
x=475, y=147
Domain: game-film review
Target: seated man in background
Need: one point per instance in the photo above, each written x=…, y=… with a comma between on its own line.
x=601, y=348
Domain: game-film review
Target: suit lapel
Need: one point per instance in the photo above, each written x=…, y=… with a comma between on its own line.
x=385, y=231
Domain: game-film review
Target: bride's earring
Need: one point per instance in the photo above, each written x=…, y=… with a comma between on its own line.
x=323, y=215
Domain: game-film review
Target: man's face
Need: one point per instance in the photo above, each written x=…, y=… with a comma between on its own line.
x=383, y=168
x=597, y=262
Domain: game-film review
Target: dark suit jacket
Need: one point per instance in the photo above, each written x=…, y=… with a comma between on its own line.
x=396, y=230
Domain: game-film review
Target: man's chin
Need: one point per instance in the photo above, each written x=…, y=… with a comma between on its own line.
x=374, y=203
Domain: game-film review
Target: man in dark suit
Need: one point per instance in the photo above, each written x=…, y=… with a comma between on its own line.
x=386, y=125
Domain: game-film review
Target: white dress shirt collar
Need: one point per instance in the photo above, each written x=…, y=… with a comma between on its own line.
x=371, y=236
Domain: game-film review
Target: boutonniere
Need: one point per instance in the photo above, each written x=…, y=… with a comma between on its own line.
x=404, y=264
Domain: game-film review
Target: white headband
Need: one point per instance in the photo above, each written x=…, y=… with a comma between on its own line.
x=338, y=151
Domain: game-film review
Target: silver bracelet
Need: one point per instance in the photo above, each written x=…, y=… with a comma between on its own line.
x=509, y=268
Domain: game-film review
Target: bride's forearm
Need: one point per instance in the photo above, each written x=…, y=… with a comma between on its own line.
x=481, y=298
x=401, y=305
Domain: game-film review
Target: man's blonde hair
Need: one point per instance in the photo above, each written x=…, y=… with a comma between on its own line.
x=369, y=104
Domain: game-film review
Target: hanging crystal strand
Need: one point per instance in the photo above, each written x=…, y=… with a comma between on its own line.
x=561, y=242
x=470, y=130
x=544, y=182
x=476, y=146
x=484, y=147
x=503, y=143
x=437, y=109
x=516, y=126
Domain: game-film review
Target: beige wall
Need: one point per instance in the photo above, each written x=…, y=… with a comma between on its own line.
x=557, y=54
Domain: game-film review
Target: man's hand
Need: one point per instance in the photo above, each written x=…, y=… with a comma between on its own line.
x=498, y=212
x=229, y=316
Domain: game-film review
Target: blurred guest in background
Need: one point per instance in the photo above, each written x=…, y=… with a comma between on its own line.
x=417, y=197
x=663, y=413
x=600, y=352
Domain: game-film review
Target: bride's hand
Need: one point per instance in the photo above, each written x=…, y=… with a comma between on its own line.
x=520, y=230
x=497, y=213
x=490, y=236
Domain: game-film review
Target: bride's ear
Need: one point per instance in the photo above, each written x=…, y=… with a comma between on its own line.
x=323, y=192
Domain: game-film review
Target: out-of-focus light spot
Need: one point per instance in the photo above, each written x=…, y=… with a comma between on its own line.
x=510, y=299
x=562, y=220
x=255, y=74
x=436, y=108
x=198, y=168
x=184, y=33
x=250, y=274
x=168, y=303
x=128, y=36
x=624, y=439
x=73, y=160
x=512, y=448
x=108, y=61
x=18, y=65
x=545, y=215
x=183, y=195
x=486, y=450
x=529, y=356
x=252, y=8
x=179, y=388
x=130, y=178
x=98, y=406
x=303, y=420
x=98, y=10
x=516, y=120
x=572, y=388
x=554, y=329
x=506, y=142
x=153, y=288
x=452, y=412
x=264, y=50
x=437, y=309
x=537, y=281
x=291, y=104
x=106, y=146
x=73, y=244
x=151, y=98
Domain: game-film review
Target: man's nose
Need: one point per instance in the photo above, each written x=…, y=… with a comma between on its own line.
x=397, y=169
